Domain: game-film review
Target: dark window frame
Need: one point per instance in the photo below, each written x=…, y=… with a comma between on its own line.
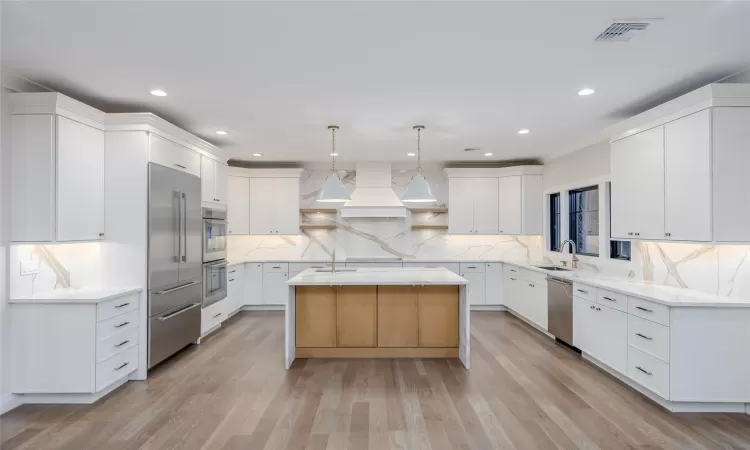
x=573, y=214
x=618, y=250
x=555, y=222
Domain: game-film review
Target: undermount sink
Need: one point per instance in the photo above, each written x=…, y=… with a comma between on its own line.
x=335, y=271
x=553, y=268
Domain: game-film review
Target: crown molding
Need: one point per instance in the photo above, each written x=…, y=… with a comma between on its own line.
x=56, y=103
x=152, y=123
x=265, y=173
x=491, y=172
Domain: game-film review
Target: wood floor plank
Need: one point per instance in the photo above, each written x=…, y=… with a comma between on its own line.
x=232, y=392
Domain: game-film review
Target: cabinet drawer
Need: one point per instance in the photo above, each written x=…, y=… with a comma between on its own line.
x=213, y=315
x=649, y=337
x=654, y=312
x=117, y=306
x=532, y=275
x=471, y=267
x=116, y=367
x=117, y=324
x=612, y=299
x=115, y=344
x=166, y=153
x=511, y=270
x=275, y=267
x=584, y=291
x=649, y=372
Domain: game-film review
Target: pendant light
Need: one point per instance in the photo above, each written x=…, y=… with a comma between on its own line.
x=419, y=189
x=333, y=189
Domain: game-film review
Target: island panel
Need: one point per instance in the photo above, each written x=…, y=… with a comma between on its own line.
x=356, y=319
x=398, y=316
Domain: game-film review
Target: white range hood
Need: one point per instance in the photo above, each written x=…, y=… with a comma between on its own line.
x=373, y=196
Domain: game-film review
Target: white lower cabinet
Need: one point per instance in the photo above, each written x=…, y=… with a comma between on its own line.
x=649, y=372
x=525, y=293
x=601, y=332
x=253, y=292
x=534, y=301
x=474, y=273
x=493, y=283
x=213, y=315
x=235, y=288
x=73, y=348
x=275, y=289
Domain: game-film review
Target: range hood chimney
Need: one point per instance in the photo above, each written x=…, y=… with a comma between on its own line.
x=373, y=196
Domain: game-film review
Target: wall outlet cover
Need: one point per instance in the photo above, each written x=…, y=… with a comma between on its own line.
x=30, y=266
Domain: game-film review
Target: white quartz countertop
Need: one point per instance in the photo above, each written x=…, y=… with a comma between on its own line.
x=379, y=276
x=75, y=296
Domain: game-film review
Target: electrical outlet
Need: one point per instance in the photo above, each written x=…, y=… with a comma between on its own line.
x=30, y=266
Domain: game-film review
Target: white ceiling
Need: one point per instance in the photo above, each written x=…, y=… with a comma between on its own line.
x=276, y=74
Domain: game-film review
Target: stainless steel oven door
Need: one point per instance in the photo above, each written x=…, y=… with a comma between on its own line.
x=214, y=282
x=214, y=239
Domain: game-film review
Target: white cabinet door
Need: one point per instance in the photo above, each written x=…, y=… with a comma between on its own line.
x=509, y=194
x=169, y=154
x=238, y=205
x=535, y=302
x=731, y=164
x=208, y=180
x=493, y=283
x=461, y=205
x=221, y=176
x=275, y=289
x=80, y=181
x=485, y=206
x=647, y=177
x=235, y=288
x=253, y=284
x=611, y=346
x=584, y=325
x=532, y=204
x=286, y=205
x=262, y=207
x=511, y=288
x=622, y=219
x=476, y=287
x=687, y=178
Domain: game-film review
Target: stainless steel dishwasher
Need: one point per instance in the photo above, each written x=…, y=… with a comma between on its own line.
x=560, y=309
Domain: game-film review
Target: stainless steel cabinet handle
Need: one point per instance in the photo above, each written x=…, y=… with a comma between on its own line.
x=637, y=234
x=667, y=234
x=591, y=307
x=643, y=370
x=643, y=309
x=597, y=308
x=610, y=299
x=178, y=256
x=217, y=315
x=178, y=288
x=122, y=305
x=231, y=279
x=512, y=270
x=510, y=278
x=121, y=325
x=121, y=343
x=233, y=271
x=180, y=166
x=643, y=336
x=531, y=285
x=184, y=228
x=582, y=291
x=118, y=368
x=630, y=234
x=276, y=267
x=177, y=313
x=471, y=267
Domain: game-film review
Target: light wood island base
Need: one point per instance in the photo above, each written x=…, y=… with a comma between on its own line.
x=371, y=320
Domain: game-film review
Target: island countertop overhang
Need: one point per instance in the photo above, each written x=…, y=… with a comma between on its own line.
x=385, y=276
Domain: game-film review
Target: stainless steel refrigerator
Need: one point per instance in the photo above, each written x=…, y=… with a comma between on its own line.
x=175, y=252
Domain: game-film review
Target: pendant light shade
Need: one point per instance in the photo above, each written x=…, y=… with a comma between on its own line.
x=419, y=190
x=333, y=190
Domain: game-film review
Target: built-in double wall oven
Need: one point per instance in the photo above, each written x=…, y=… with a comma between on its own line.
x=214, y=256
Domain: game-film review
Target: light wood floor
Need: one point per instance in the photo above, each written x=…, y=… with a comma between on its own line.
x=524, y=391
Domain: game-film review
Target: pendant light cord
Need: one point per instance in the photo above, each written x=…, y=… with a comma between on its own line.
x=333, y=150
x=419, y=147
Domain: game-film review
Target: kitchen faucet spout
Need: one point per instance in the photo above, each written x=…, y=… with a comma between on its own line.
x=573, y=250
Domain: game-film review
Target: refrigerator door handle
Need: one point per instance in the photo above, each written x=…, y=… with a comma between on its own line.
x=184, y=228
x=178, y=220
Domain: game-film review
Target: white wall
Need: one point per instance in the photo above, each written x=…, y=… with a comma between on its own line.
x=589, y=163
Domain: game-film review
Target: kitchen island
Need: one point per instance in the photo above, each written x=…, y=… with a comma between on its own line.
x=377, y=313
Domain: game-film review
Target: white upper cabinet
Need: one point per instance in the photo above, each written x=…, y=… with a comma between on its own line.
x=510, y=205
x=687, y=175
x=57, y=179
x=238, y=205
x=495, y=201
x=169, y=154
x=273, y=205
x=213, y=182
x=731, y=166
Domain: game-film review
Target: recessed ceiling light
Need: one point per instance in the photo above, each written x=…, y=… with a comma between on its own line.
x=411, y=154
x=586, y=91
x=158, y=93
x=334, y=154
x=632, y=131
x=257, y=154
x=488, y=154
x=523, y=131
x=221, y=132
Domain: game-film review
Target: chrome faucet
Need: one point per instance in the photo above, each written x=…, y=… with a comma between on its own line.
x=333, y=261
x=572, y=249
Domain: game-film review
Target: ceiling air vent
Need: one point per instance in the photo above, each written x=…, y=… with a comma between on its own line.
x=472, y=149
x=621, y=31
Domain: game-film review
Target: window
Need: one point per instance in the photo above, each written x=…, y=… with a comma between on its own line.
x=619, y=250
x=554, y=222
x=583, y=222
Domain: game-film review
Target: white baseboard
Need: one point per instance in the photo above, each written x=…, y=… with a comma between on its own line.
x=530, y=323
x=9, y=401
x=263, y=308
x=72, y=399
x=487, y=308
x=702, y=407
